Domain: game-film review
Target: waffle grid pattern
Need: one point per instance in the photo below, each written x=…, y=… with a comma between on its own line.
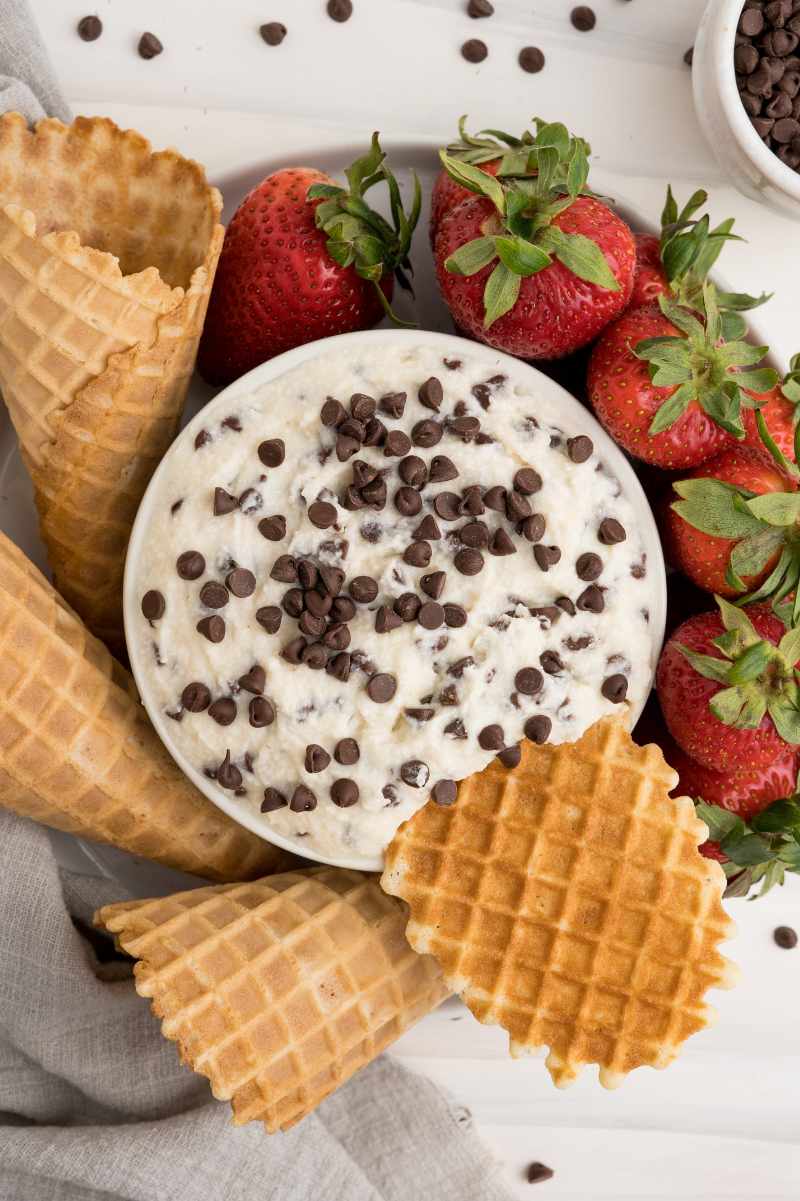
x=567, y=902
x=77, y=751
x=278, y=991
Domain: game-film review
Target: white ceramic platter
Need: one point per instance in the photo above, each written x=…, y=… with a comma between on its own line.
x=17, y=512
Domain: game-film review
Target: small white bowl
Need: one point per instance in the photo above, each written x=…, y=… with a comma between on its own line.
x=751, y=165
x=576, y=419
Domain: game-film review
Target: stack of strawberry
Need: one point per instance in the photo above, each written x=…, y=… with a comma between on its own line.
x=532, y=262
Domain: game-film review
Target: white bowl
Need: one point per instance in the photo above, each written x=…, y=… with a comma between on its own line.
x=576, y=419
x=751, y=165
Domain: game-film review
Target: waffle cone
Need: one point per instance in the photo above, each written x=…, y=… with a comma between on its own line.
x=567, y=902
x=279, y=990
x=78, y=753
x=107, y=256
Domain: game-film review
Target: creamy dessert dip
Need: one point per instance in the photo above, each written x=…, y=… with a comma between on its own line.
x=369, y=576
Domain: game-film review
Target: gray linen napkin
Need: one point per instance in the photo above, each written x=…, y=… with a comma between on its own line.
x=94, y=1104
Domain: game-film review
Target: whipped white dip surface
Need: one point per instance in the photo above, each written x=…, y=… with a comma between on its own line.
x=539, y=624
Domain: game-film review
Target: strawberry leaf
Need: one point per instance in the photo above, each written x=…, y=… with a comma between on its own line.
x=706, y=665
x=471, y=257
x=789, y=645
x=521, y=257
x=775, y=451
x=707, y=505
x=500, y=294
x=750, y=664
x=474, y=180
x=750, y=556
x=736, y=620
x=578, y=169
x=743, y=707
x=758, y=381
x=673, y=408
x=776, y=508
x=581, y=256
x=785, y=714
x=733, y=326
x=723, y=406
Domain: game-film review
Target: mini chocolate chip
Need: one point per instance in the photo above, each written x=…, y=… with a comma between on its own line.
x=273, y=800
x=444, y=792
x=427, y=530
x=273, y=528
x=224, y=503
x=455, y=616
x=307, y=574
x=501, y=544
x=431, y=615
x=347, y=752
x=448, y=695
x=407, y=501
x=465, y=428
x=447, y=506
x=433, y=584
x=214, y=595
x=292, y=652
x=374, y=493
x=537, y=729
x=393, y=404
x=491, y=738
x=340, y=10
x=528, y=681
x=468, y=561
x=362, y=407
x=415, y=773
x=426, y=433
x=375, y=433
x=314, y=656
x=537, y=1172
x=344, y=793
x=228, y=775
x=588, y=567
x=495, y=498
x=472, y=502
x=333, y=413
x=352, y=500
x=615, y=689
x=293, y=602
x=202, y=439
x=337, y=637
x=386, y=620
x=785, y=937
x=342, y=609
x=566, y=605
x=474, y=534
x=474, y=50
x=363, y=589
x=176, y=506
x=223, y=711
x=272, y=452
x=531, y=59
x=149, y=47
x=351, y=427
x=212, y=628
x=583, y=18
x=475, y=9
x=381, y=688
x=254, y=679
x=303, y=799
x=442, y=469
x=418, y=554
x=241, y=582
x=533, y=527
x=458, y=668
x=510, y=756
x=311, y=626
x=546, y=556
x=412, y=471
x=363, y=473
x=273, y=34
x=421, y=715
x=195, y=697
x=339, y=666
x=331, y=579
x=591, y=600
x=407, y=606
x=431, y=394
x=346, y=447
x=90, y=28
x=261, y=712
x=397, y=444
x=322, y=514
x=251, y=501
x=317, y=758
x=153, y=605
x=551, y=662
x=611, y=531
x=527, y=481
x=456, y=729
x=580, y=449
x=518, y=507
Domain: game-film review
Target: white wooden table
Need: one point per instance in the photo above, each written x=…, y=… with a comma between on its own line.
x=724, y=1122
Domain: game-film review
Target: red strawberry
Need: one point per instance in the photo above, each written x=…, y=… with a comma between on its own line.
x=650, y=279
x=702, y=555
x=446, y=193
x=780, y=408
x=531, y=265
x=297, y=265
x=728, y=690
x=744, y=793
x=668, y=384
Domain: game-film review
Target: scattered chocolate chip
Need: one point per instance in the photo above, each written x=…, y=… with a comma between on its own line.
x=495, y=498
x=533, y=527
x=431, y=615
x=426, y=433
x=344, y=793
x=339, y=667
x=303, y=799
x=465, y=428
x=444, y=792
x=407, y=501
x=415, y=773
x=322, y=514
x=253, y=680
x=527, y=481
x=474, y=534
x=273, y=528
x=475, y=9
x=393, y=404
x=212, y=628
x=615, y=689
x=551, y=662
x=418, y=554
x=407, y=606
x=518, y=507
x=531, y=59
x=317, y=758
x=214, y=595
x=195, y=697
x=591, y=600
x=241, y=582
x=492, y=738
x=153, y=605
x=528, y=681
x=273, y=800
x=468, y=561
x=223, y=711
x=272, y=452
x=430, y=394
x=447, y=506
x=421, y=715
x=510, y=756
x=537, y=1172
x=314, y=656
x=311, y=626
x=456, y=729
x=442, y=469
x=374, y=493
x=546, y=556
x=232, y=423
x=337, y=637
x=433, y=584
x=149, y=46
x=333, y=413
x=537, y=729
x=474, y=50
x=501, y=544
x=90, y=28
x=362, y=407
x=363, y=589
x=346, y=752
x=583, y=18
x=293, y=602
x=342, y=609
x=228, y=775
x=381, y=688
x=273, y=34
x=580, y=449
x=588, y=567
x=578, y=644
x=340, y=10
x=292, y=652
x=472, y=502
x=611, y=531
x=346, y=447
x=284, y=570
x=202, y=439
x=785, y=937
x=386, y=620
x=397, y=444
x=261, y=712
x=375, y=433
x=224, y=503
x=566, y=605
x=455, y=616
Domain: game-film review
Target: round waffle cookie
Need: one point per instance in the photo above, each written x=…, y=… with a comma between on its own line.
x=567, y=902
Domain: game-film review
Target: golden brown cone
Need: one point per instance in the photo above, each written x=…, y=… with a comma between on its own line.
x=107, y=255
x=278, y=991
x=567, y=902
x=78, y=753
